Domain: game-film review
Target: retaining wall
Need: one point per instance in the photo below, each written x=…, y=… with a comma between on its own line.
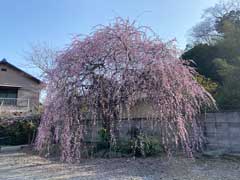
x=223, y=131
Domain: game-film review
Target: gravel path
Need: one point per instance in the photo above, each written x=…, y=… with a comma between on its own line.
x=21, y=165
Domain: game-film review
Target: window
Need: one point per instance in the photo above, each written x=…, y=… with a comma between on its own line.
x=8, y=93
x=8, y=96
x=3, y=69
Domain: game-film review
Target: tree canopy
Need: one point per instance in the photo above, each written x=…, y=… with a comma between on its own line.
x=105, y=74
x=217, y=57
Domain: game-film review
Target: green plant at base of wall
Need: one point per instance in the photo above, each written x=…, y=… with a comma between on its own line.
x=140, y=145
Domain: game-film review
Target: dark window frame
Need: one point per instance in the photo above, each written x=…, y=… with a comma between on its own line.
x=4, y=69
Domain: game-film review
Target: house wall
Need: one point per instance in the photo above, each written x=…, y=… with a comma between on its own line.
x=28, y=88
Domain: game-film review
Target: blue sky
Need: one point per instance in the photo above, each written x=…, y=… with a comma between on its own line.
x=26, y=22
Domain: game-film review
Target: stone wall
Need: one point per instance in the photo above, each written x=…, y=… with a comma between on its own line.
x=223, y=131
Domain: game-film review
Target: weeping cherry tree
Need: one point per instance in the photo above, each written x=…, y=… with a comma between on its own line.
x=104, y=75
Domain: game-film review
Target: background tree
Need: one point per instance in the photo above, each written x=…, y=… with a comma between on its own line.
x=229, y=93
x=218, y=58
x=104, y=75
x=207, y=83
x=203, y=56
x=42, y=57
x=211, y=28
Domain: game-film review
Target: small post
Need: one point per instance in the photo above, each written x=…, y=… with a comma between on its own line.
x=28, y=104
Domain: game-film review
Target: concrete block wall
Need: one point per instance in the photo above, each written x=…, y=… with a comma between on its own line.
x=222, y=131
x=146, y=126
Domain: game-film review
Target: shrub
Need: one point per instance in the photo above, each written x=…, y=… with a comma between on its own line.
x=144, y=145
x=139, y=145
x=17, y=133
x=104, y=140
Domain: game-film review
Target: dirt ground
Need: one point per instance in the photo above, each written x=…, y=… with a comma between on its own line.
x=19, y=165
